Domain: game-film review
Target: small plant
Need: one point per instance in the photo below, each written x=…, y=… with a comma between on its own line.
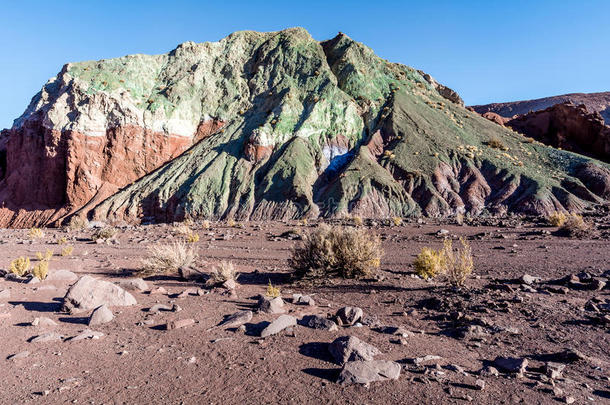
x=67, y=251
x=429, y=263
x=62, y=241
x=36, y=233
x=222, y=272
x=272, y=292
x=495, y=143
x=397, y=221
x=41, y=269
x=303, y=222
x=528, y=140
x=182, y=229
x=231, y=222
x=357, y=220
x=105, y=233
x=574, y=226
x=557, y=218
x=458, y=263
x=167, y=259
x=205, y=224
x=20, y=266
x=192, y=237
x=459, y=218
x=77, y=223
x=336, y=252
x=46, y=256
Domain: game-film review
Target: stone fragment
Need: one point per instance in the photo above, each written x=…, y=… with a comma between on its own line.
x=134, y=284
x=299, y=299
x=347, y=316
x=158, y=308
x=179, y=323
x=318, y=322
x=43, y=321
x=237, y=319
x=61, y=275
x=366, y=372
x=278, y=325
x=47, y=337
x=100, y=315
x=89, y=293
x=18, y=356
x=350, y=348
x=425, y=359
x=87, y=334
x=271, y=305
x=511, y=364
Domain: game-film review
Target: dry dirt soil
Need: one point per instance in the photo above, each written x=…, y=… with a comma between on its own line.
x=138, y=361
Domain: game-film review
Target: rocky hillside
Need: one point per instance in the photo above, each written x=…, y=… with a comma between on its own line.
x=271, y=125
x=595, y=102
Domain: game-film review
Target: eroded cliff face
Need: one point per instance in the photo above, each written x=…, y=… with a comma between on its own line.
x=271, y=125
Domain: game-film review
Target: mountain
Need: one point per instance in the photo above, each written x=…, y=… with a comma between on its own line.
x=271, y=126
x=594, y=102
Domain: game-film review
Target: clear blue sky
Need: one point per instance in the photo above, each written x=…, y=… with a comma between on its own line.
x=486, y=50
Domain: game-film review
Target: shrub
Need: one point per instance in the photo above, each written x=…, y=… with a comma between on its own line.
x=272, y=292
x=458, y=263
x=62, y=241
x=574, y=226
x=105, y=233
x=41, y=269
x=192, y=237
x=397, y=221
x=46, y=256
x=20, y=266
x=336, y=252
x=357, y=220
x=182, y=229
x=495, y=143
x=557, y=218
x=429, y=263
x=36, y=233
x=224, y=271
x=67, y=251
x=205, y=224
x=167, y=259
x=76, y=223
x=231, y=222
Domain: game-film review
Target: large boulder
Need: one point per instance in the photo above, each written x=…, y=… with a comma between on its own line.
x=366, y=372
x=89, y=293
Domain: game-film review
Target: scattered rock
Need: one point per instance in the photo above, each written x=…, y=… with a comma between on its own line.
x=511, y=364
x=281, y=323
x=299, y=299
x=366, y=372
x=425, y=359
x=229, y=284
x=33, y=280
x=158, y=290
x=318, y=322
x=237, y=319
x=87, y=334
x=134, y=284
x=100, y=315
x=43, y=321
x=347, y=316
x=18, y=356
x=158, y=308
x=553, y=370
x=47, y=337
x=61, y=275
x=350, y=348
x=529, y=280
x=271, y=305
x=179, y=323
x=489, y=371
x=89, y=293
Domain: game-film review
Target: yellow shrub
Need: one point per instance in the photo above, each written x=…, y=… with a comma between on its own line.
x=20, y=266
x=557, y=218
x=429, y=263
x=357, y=220
x=205, y=224
x=272, y=291
x=192, y=237
x=397, y=221
x=104, y=233
x=458, y=263
x=574, y=226
x=495, y=143
x=231, y=222
x=67, y=251
x=46, y=256
x=41, y=270
x=62, y=241
x=36, y=233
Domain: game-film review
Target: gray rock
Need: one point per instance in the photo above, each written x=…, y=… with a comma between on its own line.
x=18, y=356
x=347, y=316
x=100, y=315
x=47, y=337
x=89, y=293
x=134, y=284
x=271, y=305
x=61, y=275
x=33, y=280
x=553, y=370
x=425, y=359
x=87, y=334
x=237, y=319
x=158, y=308
x=281, y=323
x=43, y=321
x=299, y=299
x=350, y=348
x=318, y=322
x=511, y=364
x=529, y=280
x=366, y=372
x=5, y=294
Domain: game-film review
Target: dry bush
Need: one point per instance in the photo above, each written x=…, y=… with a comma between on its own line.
x=192, y=237
x=67, y=251
x=46, y=256
x=20, y=266
x=272, y=292
x=182, y=230
x=62, y=241
x=224, y=271
x=35, y=233
x=336, y=252
x=458, y=263
x=527, y=139
x=429, y=263
x=41, y=269
x=496, y=143
x=556, y=218
x=76, y=223
x=205, y=224
x=357, y=220
x=397, y=221
x=105, y=233
x=167, y=259
x=575, y=226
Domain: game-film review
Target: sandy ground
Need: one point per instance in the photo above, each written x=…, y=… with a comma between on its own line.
x=140, y=362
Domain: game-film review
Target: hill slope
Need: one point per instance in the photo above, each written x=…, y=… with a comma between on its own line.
x=272, y=125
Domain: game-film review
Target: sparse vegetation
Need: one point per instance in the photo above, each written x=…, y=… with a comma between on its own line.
x=557, y=218
x=167, y=259
x=62, y=241
x=105, y=233
x=20, y=266
x=337, y=252
x=67, y=251
x=456, y=264
x=429, y=263
x=496, y=143
x=41, y=269
x=231, y=222
x=397, y=221
x=222, y=272
x=357, y=220
x=35, y=233
x=46, y=256
x=205, y=224
x=574, y=226
x=192, y=237
x=76, y=223
x=272, y=292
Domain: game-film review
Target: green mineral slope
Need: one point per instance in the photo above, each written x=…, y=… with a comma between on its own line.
x=326, y=129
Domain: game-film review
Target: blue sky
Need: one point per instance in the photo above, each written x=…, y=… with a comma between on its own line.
x=486, y=50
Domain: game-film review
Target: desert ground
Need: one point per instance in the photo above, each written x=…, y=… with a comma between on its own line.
x=553, y=326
